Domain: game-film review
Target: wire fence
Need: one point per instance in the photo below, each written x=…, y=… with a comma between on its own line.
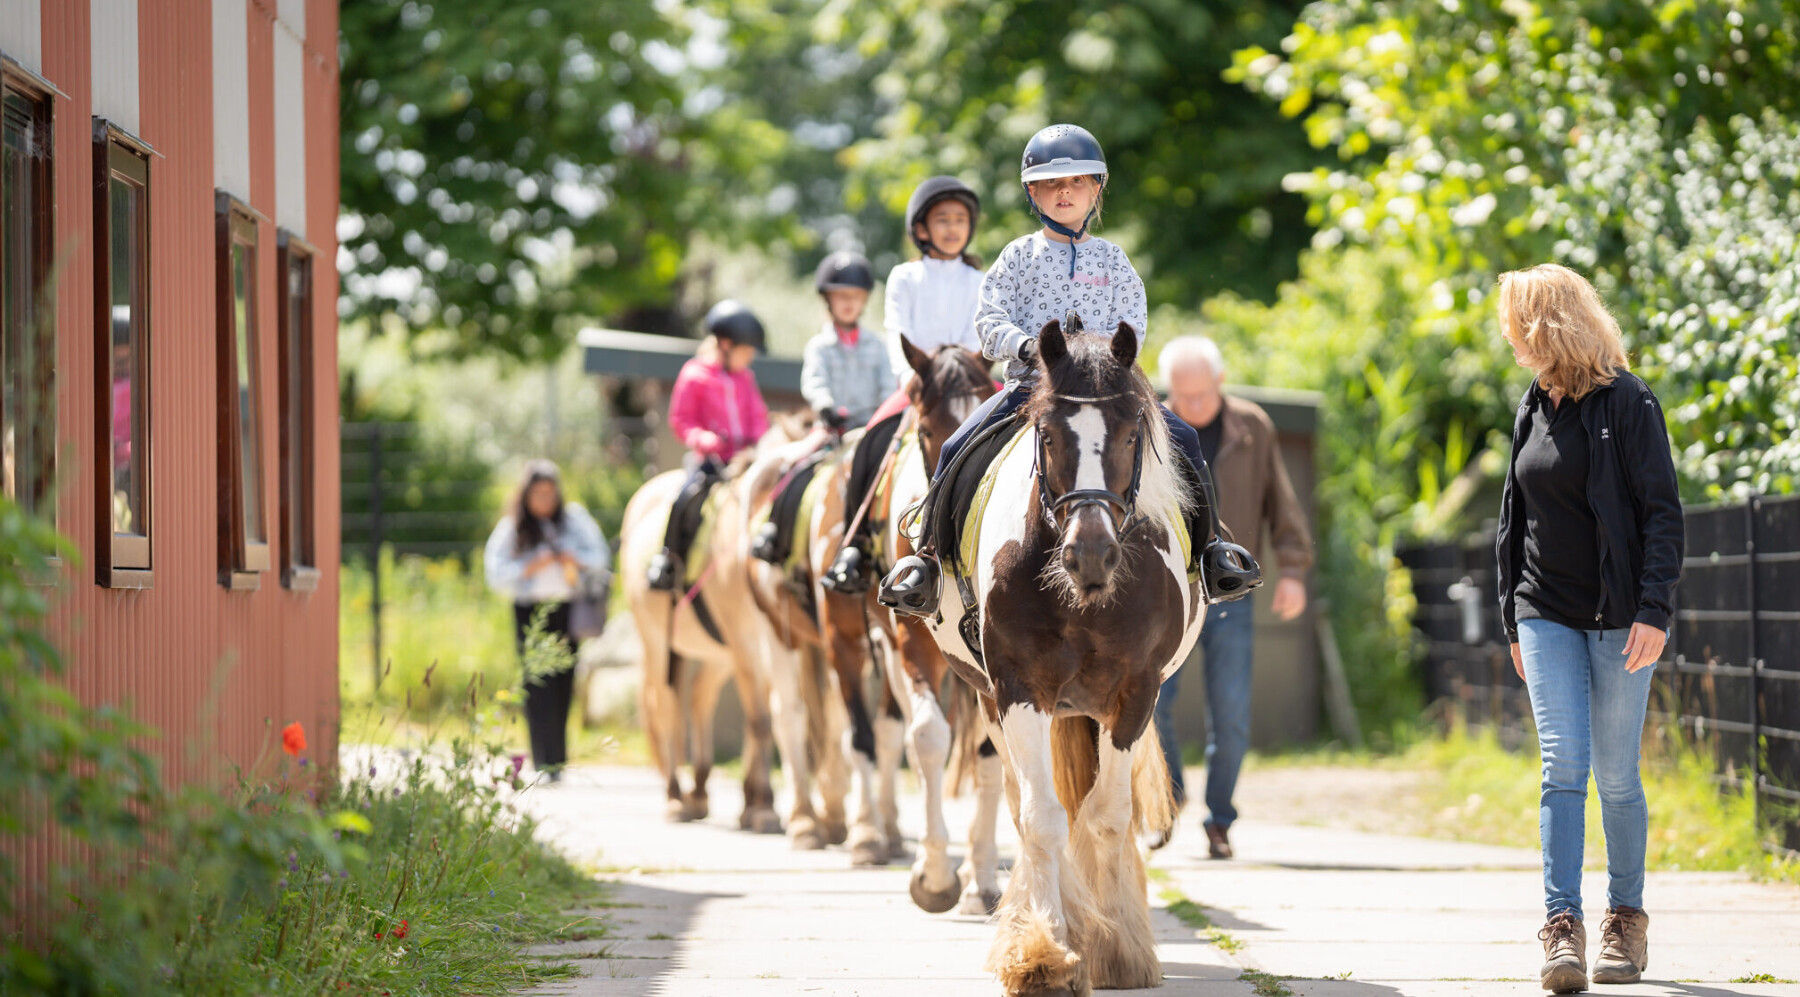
x=1729, y=678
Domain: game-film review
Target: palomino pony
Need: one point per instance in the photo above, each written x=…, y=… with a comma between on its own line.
x=1082, y=604
x=949, y=385
x=694, y=641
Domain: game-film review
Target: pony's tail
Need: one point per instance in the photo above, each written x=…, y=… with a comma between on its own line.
x=1152, y=796
x=968, y=731
x=1075, y=750
x=1075, y=760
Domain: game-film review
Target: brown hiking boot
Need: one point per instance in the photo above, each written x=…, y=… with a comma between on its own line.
x=1565, y=953
x=1624, y=946
x=1217, y=845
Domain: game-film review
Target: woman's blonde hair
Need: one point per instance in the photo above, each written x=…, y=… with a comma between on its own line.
x=1561, y=329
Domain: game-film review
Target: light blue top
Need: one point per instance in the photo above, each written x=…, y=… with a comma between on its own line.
x=505, y=564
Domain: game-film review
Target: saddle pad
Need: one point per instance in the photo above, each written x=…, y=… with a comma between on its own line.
x=884, y=489
x=984, y=490
x=699, y=553
x=787, y=509
x=810, y=497
x=970, y=520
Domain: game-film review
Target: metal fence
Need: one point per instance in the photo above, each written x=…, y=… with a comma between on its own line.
x=1729, y=679
x=400, y=494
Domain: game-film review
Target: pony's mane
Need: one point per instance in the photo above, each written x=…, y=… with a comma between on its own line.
x=1091, y=371
x=954, y=372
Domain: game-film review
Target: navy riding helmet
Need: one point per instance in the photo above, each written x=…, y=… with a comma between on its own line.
x=1062, y=151
x=844, y=270
x=733, y=320
x=930, y=193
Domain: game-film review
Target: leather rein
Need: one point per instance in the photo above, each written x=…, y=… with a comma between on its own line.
x=1121, y=509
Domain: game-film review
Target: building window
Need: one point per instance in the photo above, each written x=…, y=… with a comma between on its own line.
x=27, y=305
x=122, y=358
x=243, y=534
x=294, y=259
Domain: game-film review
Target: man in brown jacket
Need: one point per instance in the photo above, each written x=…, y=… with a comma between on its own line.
x=1239, y=442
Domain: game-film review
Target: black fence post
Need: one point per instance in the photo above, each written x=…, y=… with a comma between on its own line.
x=375, y=543
x=1751, y=509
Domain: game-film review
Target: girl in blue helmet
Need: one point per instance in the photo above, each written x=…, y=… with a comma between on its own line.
x=1059, y=269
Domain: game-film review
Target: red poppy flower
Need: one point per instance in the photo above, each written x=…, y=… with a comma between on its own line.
x=401, y=932
x=293, y=738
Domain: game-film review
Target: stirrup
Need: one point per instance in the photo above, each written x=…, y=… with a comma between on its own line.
x=661, y=573
x=912, y=587
x=1228, y=571
x=849, y=574
x=766, y=545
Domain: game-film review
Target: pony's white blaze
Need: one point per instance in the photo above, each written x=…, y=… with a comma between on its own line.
x=1088, y=426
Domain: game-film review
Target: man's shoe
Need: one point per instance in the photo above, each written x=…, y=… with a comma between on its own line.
x=1565, y=953
x=662, y=572
x=849, y=574
x=912, y=587
x=1624, y=946
x=1218, y=846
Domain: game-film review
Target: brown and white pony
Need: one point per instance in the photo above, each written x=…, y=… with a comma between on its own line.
x=684, y=666
x=1082, y=606
x=949, y=384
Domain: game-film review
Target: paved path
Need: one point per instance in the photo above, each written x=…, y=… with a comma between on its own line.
x=707, y=911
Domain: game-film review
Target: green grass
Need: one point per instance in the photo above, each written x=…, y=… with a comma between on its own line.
x=1474, y=789
x=1194, y=916
x=1760, y=978
x=1266, y=984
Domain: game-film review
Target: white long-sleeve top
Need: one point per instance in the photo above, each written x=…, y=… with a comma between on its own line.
x=931, y=302
x=505, y=564
x=1029, y=284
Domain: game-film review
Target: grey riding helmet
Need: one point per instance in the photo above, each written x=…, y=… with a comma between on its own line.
x=733, y=320
x=842, y=271
x=927, y=195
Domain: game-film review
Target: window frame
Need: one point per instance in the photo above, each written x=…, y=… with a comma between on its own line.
x=242, y=561
x=16, y=79
x=295, y=404
x=122, y=560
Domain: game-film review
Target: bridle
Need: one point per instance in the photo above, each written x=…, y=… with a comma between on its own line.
x=1120, y=509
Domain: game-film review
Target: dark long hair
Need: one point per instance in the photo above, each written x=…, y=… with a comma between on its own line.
x=528, y=530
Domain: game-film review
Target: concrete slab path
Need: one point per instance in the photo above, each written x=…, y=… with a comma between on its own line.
x=705, y=910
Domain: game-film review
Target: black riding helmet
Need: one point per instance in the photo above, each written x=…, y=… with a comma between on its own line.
x=732, y=319
x=843, y=270
x=1056, y=152
x=930, y=193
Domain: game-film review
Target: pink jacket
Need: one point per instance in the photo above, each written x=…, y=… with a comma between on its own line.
x=714, y=413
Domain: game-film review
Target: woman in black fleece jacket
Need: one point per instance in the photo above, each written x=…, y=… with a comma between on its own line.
x=1590, y=549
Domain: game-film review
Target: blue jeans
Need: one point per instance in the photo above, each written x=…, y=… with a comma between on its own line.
x=1017, y=393
x=1589, y=711
x=1227, y=641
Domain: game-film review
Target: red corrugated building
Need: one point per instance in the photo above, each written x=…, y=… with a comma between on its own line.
x=168, y=356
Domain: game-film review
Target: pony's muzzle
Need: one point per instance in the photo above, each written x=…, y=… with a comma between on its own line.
x=1091, y=554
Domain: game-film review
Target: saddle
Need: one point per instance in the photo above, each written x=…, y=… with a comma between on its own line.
x=966, y=481
x=795, y=498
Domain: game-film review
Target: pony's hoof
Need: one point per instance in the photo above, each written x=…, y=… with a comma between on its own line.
x=763, y=821
x=834, y=832
x=868, y=853
x=896, y=847
x=806, y=841
x=693, y=808
x=673, y=811
x=929, y=902
x=979, y=903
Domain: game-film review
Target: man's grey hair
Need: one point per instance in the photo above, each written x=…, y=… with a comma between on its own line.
x=1183, y=351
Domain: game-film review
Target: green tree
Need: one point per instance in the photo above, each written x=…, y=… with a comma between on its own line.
x=510, y=169
x=1197, y=167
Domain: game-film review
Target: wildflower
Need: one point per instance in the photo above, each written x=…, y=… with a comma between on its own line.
x=371, y=771
x=293, y=738
x=303, y=763
x=282, y=882
x=518, y=764
x=402, y=931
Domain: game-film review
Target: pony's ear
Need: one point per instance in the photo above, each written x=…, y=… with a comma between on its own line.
x=1052, y=344
x=917, y=359
x=1125, y=345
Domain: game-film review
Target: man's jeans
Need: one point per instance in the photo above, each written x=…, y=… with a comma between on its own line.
x=1587, y=709
x=1226, y=641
